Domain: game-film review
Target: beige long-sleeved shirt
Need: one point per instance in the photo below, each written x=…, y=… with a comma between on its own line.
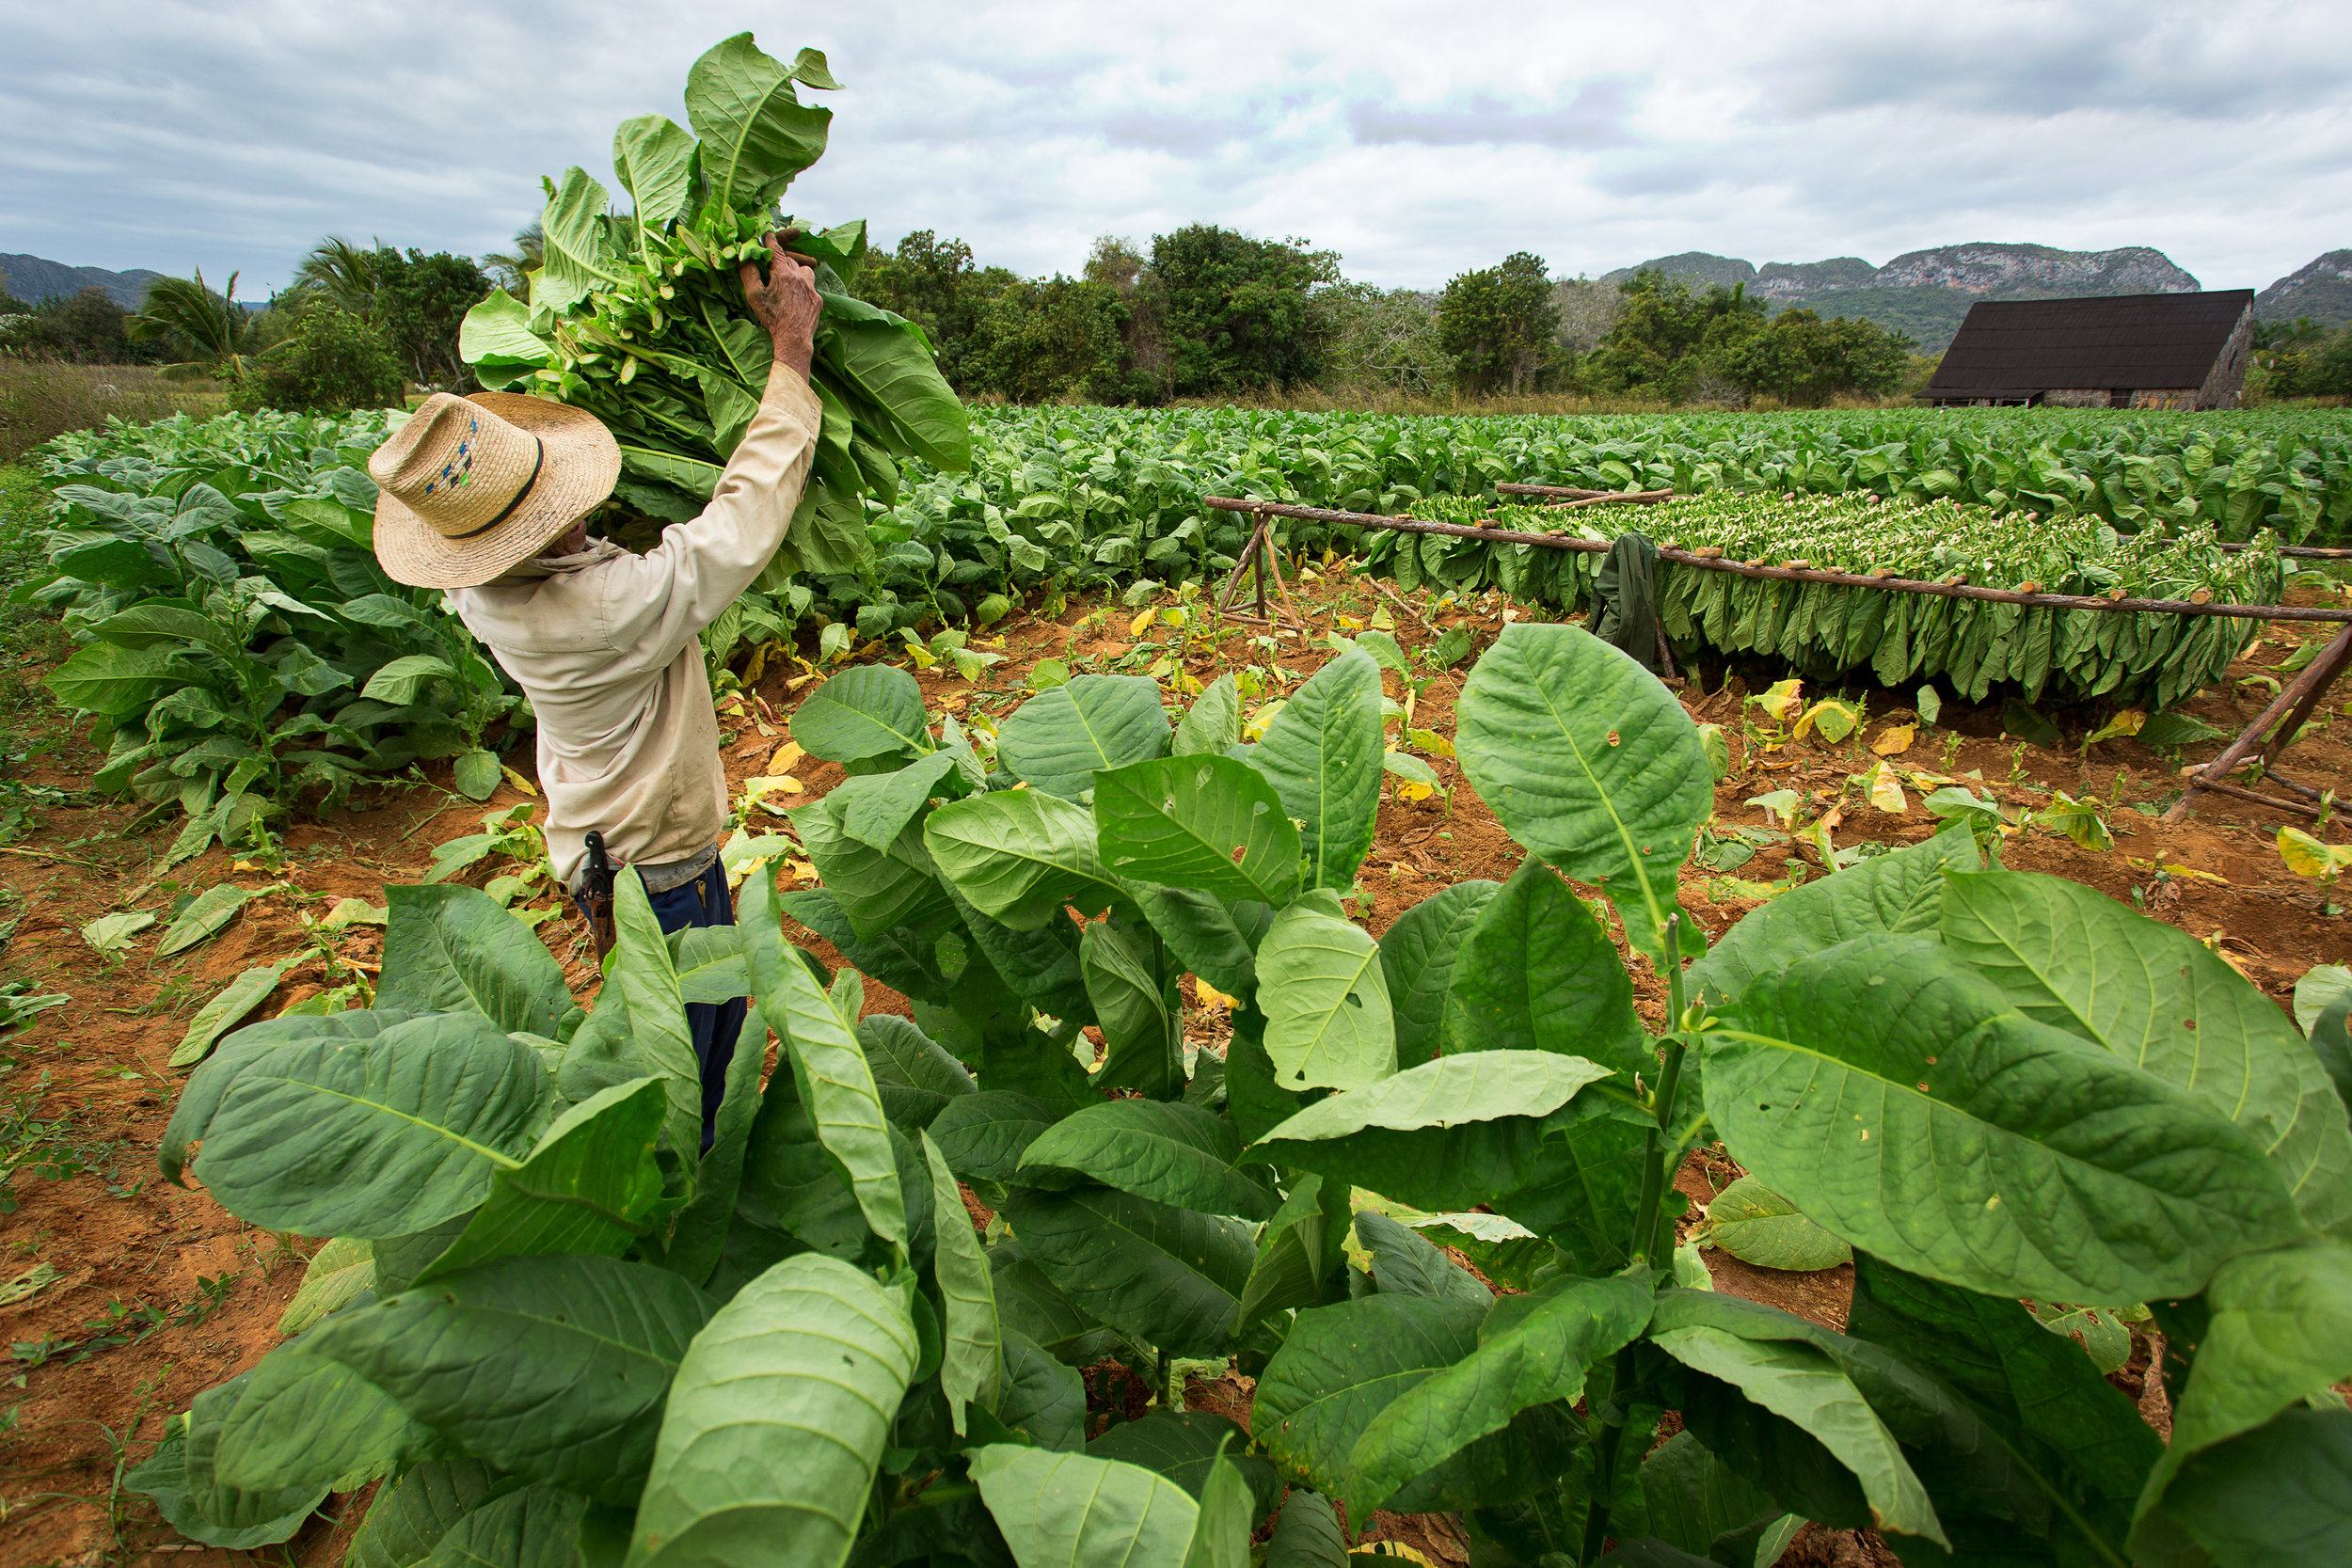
x=606, y=645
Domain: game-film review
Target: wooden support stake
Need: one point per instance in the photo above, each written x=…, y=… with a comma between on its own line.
x=2280, y=721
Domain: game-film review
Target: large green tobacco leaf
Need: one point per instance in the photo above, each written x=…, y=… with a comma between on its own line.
x=1032, y=1306
x=1212, y=726
x=579, y=260
x=202, y=1509
x=1591, y=764
x=1541, y=1352
x=1042, y=1397
x=587, y=1187
x=1230, y=1509
x=449, y=949
x=2053, y=1410
x=1306, y=1535
x=1019, y=855
x=1342, y=1366
x=2278, y=1496
x=1803, y=1386
x=1322, y=753
x=873, y=710
x=1170, y=1276
x=1537, y=972
x=973, y=1364
x=1071, y=1511
x=755, y=133
x=831, y=1071
x=982, y=1136
x=1171, y=1153
x=914, y=1078
x=791, y=1184
x=905, y=958
x=1404, y=1264
x=1140, y=1030
x=1060, y=739
x=535, y=1527
x=1202, y=822
x=1757, y=1226
x=2280, y=1329
x=1326, y=998
x=776, y=1420
x=1205, y=935
x=877, y=891
x=1417, y=953
x=894, y=364
x=1184, y=1446
x=1299, y=1252
x=698, y=1238
x=1693, y=1497
x=553, y=1367
x=2071, y=957
x=1447, y=1135
x=877, y=807
x=1902, y=892
x=653, y=157
x=304, y=1419
x=639, y=968
x=1584, y=1188
x=109, y=679
x=376, y=1136
x=1900, y=1100
x=409, y=1518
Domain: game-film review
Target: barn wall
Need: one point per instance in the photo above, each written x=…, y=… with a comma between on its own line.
x=2164, y=397
x=2079, y=397
x=2225, y=383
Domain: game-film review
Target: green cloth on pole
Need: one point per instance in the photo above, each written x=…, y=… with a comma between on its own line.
x=1626, y=613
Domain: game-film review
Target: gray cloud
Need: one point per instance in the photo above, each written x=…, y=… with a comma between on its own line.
x=173, y=133
x=1593, y=119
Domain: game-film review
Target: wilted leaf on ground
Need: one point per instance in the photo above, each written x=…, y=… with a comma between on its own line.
x=214, y=909
x=111, y=934
x=1893, y=739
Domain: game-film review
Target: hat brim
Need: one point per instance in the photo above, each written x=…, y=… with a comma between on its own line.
x=582, y=463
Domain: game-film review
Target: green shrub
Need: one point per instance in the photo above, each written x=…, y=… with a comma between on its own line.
x=334, y=362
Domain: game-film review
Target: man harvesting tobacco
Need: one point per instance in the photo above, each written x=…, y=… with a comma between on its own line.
x=487, y=497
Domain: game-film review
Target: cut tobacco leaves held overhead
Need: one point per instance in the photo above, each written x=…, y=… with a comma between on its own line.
x=640, y=319
x=582, y=1335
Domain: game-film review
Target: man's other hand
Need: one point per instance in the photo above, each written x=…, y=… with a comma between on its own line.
x=787, y=304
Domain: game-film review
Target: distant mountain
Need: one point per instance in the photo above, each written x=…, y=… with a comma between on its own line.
x=33, y=279
x=2322, y=290
x=1926, y=292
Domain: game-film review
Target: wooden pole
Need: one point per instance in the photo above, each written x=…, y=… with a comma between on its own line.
x=2287, y=711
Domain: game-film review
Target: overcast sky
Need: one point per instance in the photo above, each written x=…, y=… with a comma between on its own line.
x=1417, y=140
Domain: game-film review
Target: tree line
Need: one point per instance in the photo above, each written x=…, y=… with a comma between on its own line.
x=358, y=325
x=1202, y=314
x=1211, y=313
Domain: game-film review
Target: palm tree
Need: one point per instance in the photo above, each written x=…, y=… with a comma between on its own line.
x=512, y=268
x=221, y=330
x=347, y=273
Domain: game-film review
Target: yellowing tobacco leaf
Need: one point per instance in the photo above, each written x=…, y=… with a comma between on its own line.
x=2307, y=856
x=1430, y=741
x=1782, y=701
x=2125, y=723
x=1893, y=739
x=1834, y=718
x=1255, y=728
x=1887, y=791
x=1415, y=790
x=1143, y=622
x=1212, y=997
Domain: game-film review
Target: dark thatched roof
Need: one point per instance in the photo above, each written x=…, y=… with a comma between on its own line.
x=2017, y=348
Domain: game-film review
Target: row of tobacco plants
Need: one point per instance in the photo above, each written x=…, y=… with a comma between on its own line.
x=560, y=1330
x=244, y=650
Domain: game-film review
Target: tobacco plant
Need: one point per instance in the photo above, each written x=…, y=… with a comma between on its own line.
x=582, y=1338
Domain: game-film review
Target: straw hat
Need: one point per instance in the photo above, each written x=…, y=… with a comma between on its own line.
x=472, y=487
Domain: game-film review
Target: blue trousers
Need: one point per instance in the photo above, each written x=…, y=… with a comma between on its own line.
x=704, y=902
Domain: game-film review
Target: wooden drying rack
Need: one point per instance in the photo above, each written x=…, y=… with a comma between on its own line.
x=2280, y=720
